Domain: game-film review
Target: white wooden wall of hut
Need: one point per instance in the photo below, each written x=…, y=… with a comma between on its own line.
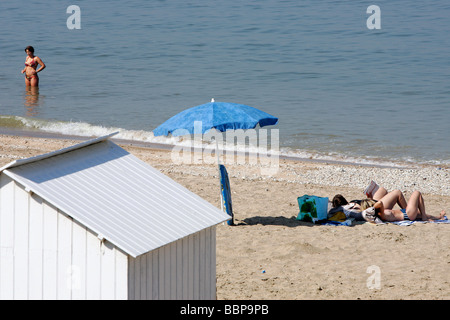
x=45, y=254
x=184, y=269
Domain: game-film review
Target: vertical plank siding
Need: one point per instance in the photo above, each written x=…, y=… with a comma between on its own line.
x=45, y=254
x=6, y=238
x=184, y=269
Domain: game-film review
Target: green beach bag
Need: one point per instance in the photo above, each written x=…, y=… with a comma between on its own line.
x=312, y=208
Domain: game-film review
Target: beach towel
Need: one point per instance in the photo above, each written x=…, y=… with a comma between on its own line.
x=347, y=222
x=409, y=222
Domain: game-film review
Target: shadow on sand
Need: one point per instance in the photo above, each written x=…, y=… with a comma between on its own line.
x=274, y=221
x=278, y=221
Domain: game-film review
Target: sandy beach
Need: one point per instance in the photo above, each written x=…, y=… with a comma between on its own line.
x=269, y=254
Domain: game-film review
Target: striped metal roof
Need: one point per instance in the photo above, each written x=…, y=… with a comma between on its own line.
x=116, y=195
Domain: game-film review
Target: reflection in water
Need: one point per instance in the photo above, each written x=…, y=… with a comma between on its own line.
x=31, y=101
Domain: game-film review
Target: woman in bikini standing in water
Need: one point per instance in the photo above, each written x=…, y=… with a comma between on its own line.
x=31, y=63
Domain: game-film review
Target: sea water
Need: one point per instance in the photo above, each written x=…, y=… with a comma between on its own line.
x=341, y=88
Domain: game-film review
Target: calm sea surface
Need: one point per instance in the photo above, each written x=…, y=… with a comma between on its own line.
x=339, y=89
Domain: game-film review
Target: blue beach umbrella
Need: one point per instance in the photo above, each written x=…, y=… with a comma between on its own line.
x=222, y=116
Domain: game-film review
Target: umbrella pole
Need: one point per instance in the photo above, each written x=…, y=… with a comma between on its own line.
x=218, y=168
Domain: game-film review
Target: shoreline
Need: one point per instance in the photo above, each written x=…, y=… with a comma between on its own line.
x=165, y=146
x=427, y=179
x=269, y=254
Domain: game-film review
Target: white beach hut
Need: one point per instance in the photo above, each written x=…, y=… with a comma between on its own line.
x=93, y=221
